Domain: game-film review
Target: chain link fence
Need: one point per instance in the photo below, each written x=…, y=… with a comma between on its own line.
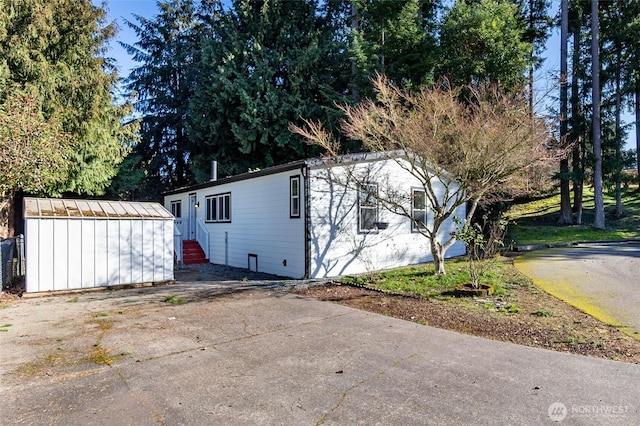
x=12, y=264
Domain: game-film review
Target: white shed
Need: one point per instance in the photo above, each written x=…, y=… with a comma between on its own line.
x=75, y=244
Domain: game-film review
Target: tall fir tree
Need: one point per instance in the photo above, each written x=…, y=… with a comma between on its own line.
x=482, y=42
x=394, y=38
x=535, y=19
x=268, y=64
x=168, y=51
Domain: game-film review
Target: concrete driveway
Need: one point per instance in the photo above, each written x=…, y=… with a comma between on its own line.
x=233, y=354
x=602, y=280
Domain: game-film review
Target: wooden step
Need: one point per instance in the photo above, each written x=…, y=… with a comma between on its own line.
x=192, y=253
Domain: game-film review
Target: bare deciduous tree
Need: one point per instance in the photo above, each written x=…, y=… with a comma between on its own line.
x=465, y=146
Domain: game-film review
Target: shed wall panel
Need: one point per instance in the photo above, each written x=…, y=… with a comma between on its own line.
x=46, y=260
x=113, y=254
x=88, y=251
x=75, y=254
x=126, y=245
x=137, y=253
x=101, y=244
x=32, y=253
x=61, y=250
x=158, y=250
x=147, y=250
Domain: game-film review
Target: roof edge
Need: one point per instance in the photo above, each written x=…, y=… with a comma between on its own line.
x=310, y=162
x=243, y=176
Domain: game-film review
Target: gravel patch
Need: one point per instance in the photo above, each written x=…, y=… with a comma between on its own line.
x=214, y=272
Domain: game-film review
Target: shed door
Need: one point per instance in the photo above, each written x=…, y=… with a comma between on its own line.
x=192, y=216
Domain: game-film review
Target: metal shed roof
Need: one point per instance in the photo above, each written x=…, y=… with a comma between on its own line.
x=95, y=209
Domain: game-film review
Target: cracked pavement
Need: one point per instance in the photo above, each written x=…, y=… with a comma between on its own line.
x=235, y=354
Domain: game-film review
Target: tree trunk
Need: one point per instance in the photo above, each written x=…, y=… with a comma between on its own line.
x=618, y=139
x=438, y=249
x=637, y=107
x=438, y=258
x=598, y=221
x=355, y=93
x=577, y=136
x=566, y=217
x=531, y=59
x=7, y=215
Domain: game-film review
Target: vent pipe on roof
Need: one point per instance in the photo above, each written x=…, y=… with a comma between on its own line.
x=214, y=170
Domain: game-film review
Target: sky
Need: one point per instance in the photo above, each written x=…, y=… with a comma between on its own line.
x=121, y=10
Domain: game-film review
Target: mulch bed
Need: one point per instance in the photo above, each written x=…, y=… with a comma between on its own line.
x=526, y=316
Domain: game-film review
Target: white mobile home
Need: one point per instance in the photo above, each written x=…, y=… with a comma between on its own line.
x=307, y=219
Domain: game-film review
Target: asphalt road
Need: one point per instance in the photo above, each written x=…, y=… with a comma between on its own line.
x=211, y=353
x=602, y=280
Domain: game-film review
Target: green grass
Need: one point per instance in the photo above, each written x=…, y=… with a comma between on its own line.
x=422, y=280
x=535, y=222
x=530, y=223
x=173, y=299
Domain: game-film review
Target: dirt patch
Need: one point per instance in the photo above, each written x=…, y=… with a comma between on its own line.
x=525, y=316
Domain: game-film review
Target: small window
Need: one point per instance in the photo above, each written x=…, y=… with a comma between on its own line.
x=176, y=208
x=418, y=210
x=219, y=208
x=368, y=208
x=294, y=196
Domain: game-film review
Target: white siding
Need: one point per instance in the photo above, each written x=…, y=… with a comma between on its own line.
x=183, y=198
x=260, y=224
x=336, y=246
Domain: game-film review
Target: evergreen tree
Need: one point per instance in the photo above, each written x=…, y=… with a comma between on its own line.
x=566, y=217
x=577, y=120
x=268, y=64
x=536, y=21
x=598, y=221
x=394, y=38
x=632, y=85
x=168, y=51
x=482, y=42
x=53, y=49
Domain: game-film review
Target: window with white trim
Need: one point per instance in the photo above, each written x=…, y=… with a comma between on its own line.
x=176, y=208
x=294, y=196
x=218, y=208
x=368, y=208
x=418, y=210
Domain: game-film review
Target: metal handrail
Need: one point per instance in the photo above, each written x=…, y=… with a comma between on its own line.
x=177, y=241
x=202, y=236
x=179, y=222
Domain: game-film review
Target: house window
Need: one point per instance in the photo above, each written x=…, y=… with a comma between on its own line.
x=176, y=208
x=368, y=208
x=219, y=208
x=418, y=210
x=294, y=196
